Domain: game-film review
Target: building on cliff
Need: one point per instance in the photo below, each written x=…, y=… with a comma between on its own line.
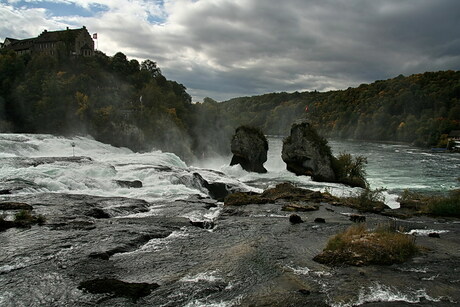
x=76, y=42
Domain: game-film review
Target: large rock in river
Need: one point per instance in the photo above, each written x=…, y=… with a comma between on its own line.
x=249, y=147
x=306, y=153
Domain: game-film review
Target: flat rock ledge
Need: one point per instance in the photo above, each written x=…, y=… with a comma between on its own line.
x=285, y=191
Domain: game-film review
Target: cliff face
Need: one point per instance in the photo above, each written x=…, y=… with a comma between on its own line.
x=306, y=153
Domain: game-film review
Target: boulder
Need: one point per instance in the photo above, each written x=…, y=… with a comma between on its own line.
x=306, y=153
x=434, y=235
x=203, y=224
x=249, y=147
x=295, y=219
x=129, y=184
x=98, y=213
x=216, y=190
x=357, y=218
x=320, y=220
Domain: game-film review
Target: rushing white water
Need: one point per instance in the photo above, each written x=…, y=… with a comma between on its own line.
x=166, y=177
x=277, y=173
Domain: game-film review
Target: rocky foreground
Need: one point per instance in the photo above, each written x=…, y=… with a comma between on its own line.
x=198, y=252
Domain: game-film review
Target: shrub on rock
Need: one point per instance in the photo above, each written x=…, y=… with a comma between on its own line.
x=349, y=170
x=359, y=246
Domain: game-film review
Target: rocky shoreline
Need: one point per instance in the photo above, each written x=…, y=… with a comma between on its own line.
x=159, y=254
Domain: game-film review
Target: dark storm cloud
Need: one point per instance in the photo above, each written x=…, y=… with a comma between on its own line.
x=254, y=47
x=228, y=48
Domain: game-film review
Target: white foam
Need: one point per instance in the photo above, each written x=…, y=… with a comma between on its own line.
x=209, y=303
x=415, y=270
x=382, y=293
x=425, y=232
x=8, y=268
x=200, y=277
x=308, y=271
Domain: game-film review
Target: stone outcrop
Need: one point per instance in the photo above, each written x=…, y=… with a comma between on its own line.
x=306, y=153
x=249, y=147
x=216, y=190
x=136, y=184
x=283, y=191
x=299, y=207
x=295, y=219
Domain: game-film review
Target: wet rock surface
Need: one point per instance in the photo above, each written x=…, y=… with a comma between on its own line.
x=150, y=254
x=14, y=206
x=118, y=288
x=136, y=184
x=249, y=147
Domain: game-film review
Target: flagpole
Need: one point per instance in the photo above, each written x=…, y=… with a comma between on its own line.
x=97, y=41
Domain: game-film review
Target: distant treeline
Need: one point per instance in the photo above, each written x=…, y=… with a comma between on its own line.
x=127, y=103
x=419, y=109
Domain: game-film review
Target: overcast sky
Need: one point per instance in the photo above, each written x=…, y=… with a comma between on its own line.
x=229, y=48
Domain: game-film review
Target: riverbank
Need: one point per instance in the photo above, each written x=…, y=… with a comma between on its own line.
x=249, y=255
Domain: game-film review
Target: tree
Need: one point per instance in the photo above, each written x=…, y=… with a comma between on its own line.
x=151, y=68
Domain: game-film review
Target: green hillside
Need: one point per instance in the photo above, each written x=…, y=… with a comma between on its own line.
x=418, y=109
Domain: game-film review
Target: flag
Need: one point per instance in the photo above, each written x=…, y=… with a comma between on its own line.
x=95, y=36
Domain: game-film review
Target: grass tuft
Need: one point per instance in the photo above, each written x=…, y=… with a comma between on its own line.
x=359, y=246
x=445, y=206
x=437, y=205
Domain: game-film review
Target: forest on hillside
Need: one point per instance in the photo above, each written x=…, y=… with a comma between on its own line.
x=420, y=109
x=126, y=103
x=115, y=100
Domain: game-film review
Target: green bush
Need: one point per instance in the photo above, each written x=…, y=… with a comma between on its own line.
x=437, y=205
x=445, y=206
x=23, y=215
x=350, y=170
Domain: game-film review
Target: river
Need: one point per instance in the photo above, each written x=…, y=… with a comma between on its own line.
x=97, y=228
